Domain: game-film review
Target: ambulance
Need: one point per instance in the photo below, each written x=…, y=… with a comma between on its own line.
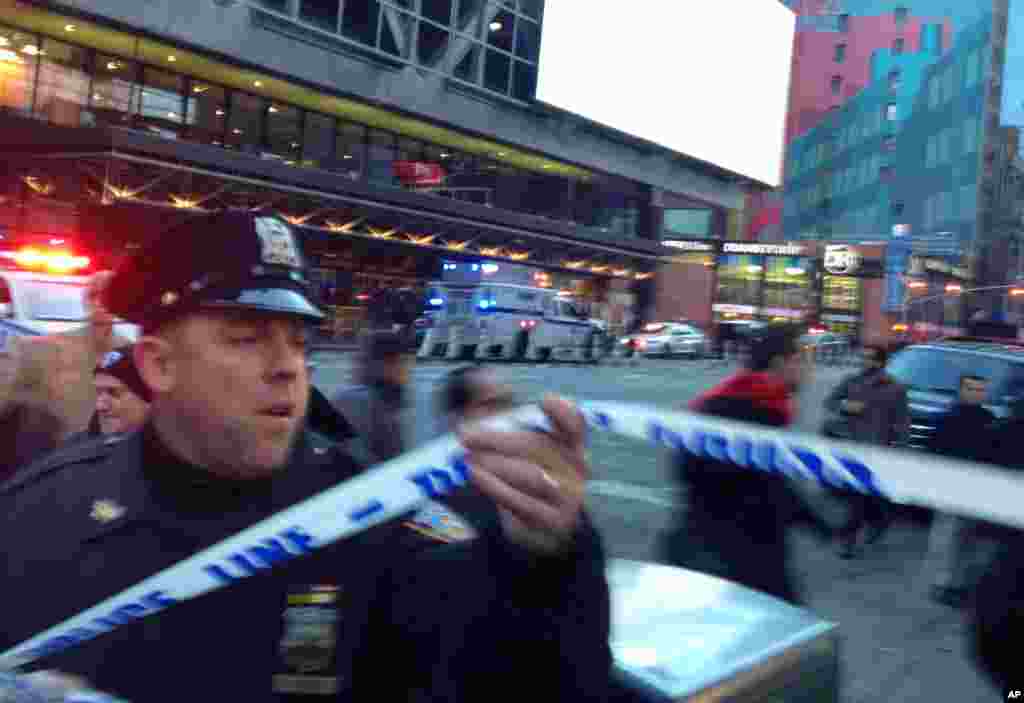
x=507, y=321
x=42, y=291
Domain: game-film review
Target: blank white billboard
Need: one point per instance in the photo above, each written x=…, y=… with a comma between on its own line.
x=706, y=78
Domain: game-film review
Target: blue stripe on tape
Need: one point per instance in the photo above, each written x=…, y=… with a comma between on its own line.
x=366, y=511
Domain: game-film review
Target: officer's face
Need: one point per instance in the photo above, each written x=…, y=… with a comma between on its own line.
x=118, y=408
x=231, y=390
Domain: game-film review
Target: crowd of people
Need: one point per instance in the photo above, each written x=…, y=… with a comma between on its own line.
x=147, y=453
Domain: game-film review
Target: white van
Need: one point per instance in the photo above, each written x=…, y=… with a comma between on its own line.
x=507, y=321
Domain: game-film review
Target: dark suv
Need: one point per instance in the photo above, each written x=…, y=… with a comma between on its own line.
x=931, y=373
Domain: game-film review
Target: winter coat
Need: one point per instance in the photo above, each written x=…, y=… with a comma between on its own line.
x=885, y=419
x=736, y=520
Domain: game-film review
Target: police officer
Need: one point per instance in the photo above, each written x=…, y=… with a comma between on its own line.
x=223, y=305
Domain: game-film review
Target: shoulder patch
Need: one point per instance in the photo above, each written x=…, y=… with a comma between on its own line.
x=438, y=522
x=76, y=453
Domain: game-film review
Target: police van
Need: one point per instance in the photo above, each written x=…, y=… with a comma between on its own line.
x=39, y=295
x=507, y=321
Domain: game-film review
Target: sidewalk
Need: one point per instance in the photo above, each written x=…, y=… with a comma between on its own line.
x=898, y=646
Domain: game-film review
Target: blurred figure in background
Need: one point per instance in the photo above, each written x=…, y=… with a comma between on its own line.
x=967, y=432
x=377, y=404
x=473, y=393
x=736, y=521
x=874, y=407
x=122, y=398
x=47, y=394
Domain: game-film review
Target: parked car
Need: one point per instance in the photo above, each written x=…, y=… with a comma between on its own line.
x=931, y=372
x=668, y=339
x=827, y=347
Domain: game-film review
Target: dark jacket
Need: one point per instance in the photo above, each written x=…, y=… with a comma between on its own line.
x=407, y=617
x=966, y=432
x=885, y=419
x=996, y=616
x=736, y=520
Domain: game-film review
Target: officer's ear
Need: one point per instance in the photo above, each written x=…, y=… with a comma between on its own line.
x=155, y=363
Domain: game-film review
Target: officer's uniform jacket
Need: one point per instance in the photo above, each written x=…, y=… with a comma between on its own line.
x=423, y=608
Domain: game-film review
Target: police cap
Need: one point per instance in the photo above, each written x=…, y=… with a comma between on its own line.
x=233, y=259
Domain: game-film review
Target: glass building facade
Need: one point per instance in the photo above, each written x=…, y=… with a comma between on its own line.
x=62, y=83
x=491, y=45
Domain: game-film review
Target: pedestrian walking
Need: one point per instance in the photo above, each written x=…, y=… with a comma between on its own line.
x=378, y=404
x=736, y=521
x=368, y=619
x=873, y=406
x=966, y=432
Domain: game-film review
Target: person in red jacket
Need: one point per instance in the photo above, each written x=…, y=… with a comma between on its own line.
x=736, y=520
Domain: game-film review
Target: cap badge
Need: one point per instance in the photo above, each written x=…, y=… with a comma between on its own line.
x=110, y=359
x=279, y=247
x=106, y=511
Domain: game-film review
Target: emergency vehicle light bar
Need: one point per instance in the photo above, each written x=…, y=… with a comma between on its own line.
x=51, y=261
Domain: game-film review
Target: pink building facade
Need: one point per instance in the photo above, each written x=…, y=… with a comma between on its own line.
x=831, y=64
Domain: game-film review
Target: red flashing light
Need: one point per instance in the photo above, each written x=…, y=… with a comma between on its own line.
x=362, y=297
x=56, y=261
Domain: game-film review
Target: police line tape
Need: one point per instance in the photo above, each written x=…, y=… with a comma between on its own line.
x=397, y=487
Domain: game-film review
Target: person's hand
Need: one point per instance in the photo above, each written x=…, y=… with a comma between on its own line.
x=538, y=480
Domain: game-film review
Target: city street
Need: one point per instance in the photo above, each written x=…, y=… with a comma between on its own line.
x=898, y=646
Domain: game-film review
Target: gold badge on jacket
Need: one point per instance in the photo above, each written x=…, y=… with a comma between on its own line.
x=438, y=522
x=309, y=639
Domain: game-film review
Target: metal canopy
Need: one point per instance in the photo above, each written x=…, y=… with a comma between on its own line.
x=74, y=168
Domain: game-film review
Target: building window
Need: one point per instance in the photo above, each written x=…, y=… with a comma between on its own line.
x=284, y=133
x=320, y=13
x=898, y=45
x=206, y=113
x=245, y=123
x=381, y=155
x=527, y=40
x=161, y=104
x=439, y=11
x=497, y=71
x=361, y=21
x=114, y=90
x=318, y=141
x=501, y=30
x=896, y=209
x=349, y=150
x=62, y=95
x=843, y=23
x=891, y=112
x=895, y=80
x=885, y=174
x=900, y=15
x=889, y=144
x=836, y=84
x=840, y=53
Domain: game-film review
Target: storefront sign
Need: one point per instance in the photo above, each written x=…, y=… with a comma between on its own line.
x=831, y=317
x=689, y=245
x=756, y=249
x=783, y=312
x=735, y=309
x=841, y=260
